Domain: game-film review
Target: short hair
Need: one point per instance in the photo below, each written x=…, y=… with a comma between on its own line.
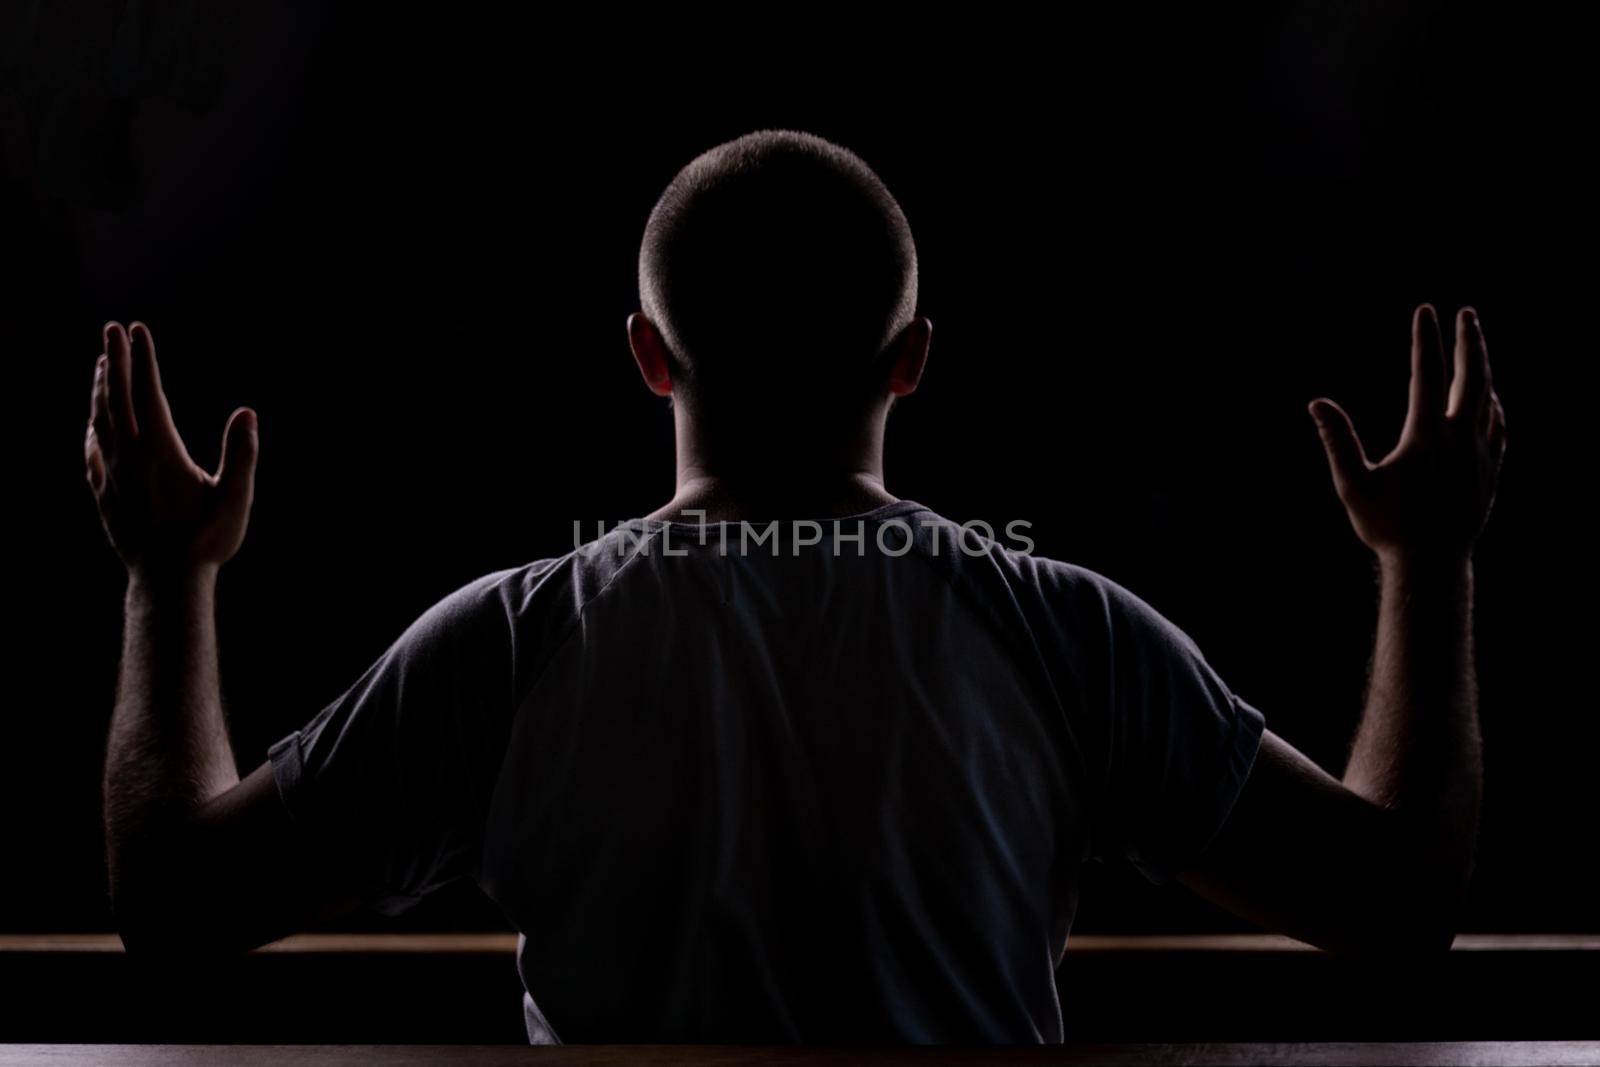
x=777, y=253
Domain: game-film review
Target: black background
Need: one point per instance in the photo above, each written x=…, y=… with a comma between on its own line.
x=1145, y=242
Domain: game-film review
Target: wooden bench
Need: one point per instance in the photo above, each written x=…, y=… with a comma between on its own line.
x=463, y=988
x=1348, y=1054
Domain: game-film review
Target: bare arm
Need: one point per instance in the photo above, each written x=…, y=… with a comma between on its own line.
x=195, y=855
x=168, y=750
x=1417, y=752
x=1381, y=860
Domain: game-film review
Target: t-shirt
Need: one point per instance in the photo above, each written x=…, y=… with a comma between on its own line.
x=768, y=783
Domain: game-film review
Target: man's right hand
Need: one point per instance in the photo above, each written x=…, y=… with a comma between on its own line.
x=1379, y=861
x=160, y=510
x=1431, y=495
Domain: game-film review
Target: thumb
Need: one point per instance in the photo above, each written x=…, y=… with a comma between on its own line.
x=1346, y=458
x=236, y=474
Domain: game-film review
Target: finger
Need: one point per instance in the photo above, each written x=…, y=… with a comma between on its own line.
x=149, y=400
x=100, y=407
x=1496, y=429
x=236, y=473
x=94, y=463
x=1470, y=385
x=94, y=385
x=119, y=372
x=1490, y=411
x=1347, y=460
x=1427, y=372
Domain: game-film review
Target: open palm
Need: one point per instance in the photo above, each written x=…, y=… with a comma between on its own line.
x=159, y=508
x=1432, y=493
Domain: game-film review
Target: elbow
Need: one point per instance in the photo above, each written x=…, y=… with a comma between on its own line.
x=159, y=915
x=1414, y=919
x=1430, y=931
x=1406, y=902
x=1405, y=936
x=168, y=919
x=146, y=940
x=146, y=925
x=152, y=929
x=162, y=935
x=155, y=899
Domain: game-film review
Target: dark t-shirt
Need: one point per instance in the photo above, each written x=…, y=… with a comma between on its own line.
x=781, y=791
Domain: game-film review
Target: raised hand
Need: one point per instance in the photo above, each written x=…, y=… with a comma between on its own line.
x=1431, y=495
x=159, y=508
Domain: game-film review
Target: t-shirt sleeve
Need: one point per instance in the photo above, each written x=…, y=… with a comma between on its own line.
x=392, y=779
x=1180, y=743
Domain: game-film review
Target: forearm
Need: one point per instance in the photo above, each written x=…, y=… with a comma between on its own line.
x=1379, y=862
x=168, y=749
x=1417, y=751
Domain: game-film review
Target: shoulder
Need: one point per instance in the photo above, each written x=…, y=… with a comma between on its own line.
x=1055, y=596
x=473, y=606
x=977, y=548
x=553, y=584
x=1130, y=623
x=521, y=615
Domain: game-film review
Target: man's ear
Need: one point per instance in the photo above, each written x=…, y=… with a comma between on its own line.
x=650, y=353
x=908, y=355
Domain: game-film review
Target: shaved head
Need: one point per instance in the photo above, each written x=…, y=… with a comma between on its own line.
x=778, y=259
